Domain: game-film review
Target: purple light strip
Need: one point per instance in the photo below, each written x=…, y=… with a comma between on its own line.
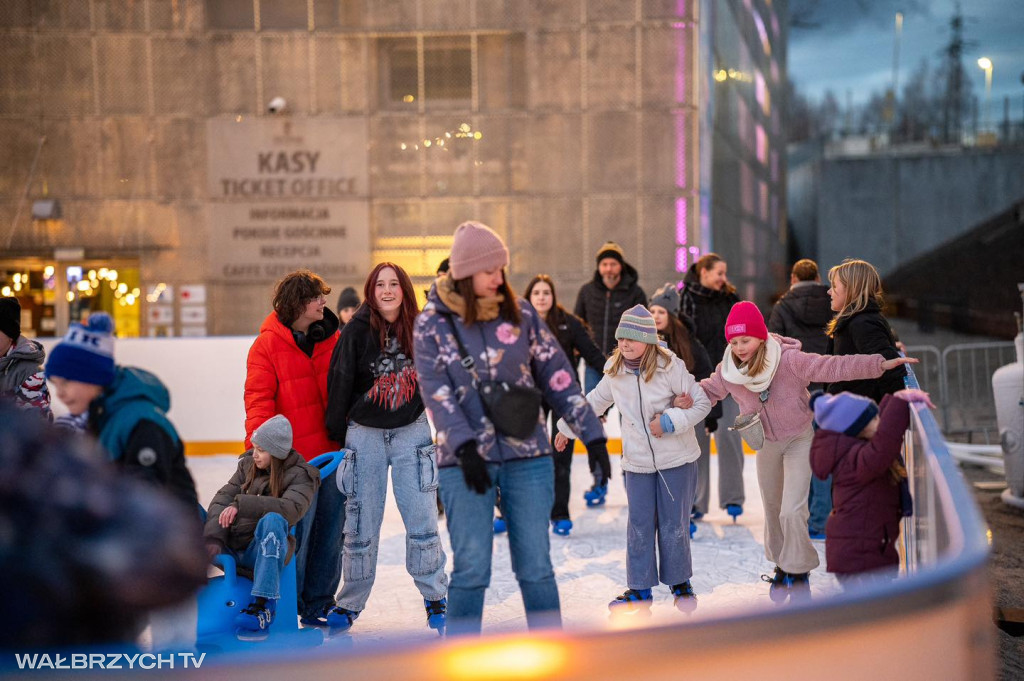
x=682, y=46
x=681, y=222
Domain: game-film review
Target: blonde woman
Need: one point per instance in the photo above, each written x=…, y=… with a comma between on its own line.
x=859, y=327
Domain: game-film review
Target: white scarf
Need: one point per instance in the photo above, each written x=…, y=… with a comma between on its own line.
x=755, y=384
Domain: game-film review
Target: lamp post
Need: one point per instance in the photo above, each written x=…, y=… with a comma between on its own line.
x=985, y=64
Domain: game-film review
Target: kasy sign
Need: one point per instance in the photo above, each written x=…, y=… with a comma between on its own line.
x=285, y=194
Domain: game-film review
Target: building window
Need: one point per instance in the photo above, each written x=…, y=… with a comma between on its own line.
x=447, y=71
x=230, y=14
x=277, y=15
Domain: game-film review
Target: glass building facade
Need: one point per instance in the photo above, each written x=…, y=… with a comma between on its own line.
x=745, y=46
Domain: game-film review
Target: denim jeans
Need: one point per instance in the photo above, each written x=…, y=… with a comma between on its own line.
x=591, y=378
x=658, y=534
x=820, y=503
x=318, y=557
x=363, y=476
x=527, y=493
x=265, y=555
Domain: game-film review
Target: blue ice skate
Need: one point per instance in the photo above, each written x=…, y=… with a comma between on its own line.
x=632, y=600
x=500, y=526
x=561, y=527
x=735, y=510
x=596, y=494
x=341, y=619
x=257, y=617
x=437, y=613
x=693, y=529
x=685, y=599
x=783, y=584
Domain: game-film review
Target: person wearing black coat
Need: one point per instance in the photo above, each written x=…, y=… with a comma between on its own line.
x=860, y=328
x=804, y=310
x=572, y=334
x=601, y=302
x=707, y=298
x=802, y=313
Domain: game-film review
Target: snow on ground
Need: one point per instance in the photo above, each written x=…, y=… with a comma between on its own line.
x=590, y=565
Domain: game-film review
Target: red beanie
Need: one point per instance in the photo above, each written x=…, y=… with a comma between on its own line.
x=745, y=320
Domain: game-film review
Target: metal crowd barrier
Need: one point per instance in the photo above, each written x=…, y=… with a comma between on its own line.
x=959, y=379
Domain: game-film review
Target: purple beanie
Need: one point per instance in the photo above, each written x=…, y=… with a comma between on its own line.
x=476, y=248
x=844, y=413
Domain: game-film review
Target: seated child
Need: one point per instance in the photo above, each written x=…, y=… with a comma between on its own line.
x=250, y=516
x=859, y=445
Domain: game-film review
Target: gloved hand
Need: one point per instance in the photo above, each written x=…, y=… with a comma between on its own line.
x=474, y=468
x=711, y=425
x=598, y=451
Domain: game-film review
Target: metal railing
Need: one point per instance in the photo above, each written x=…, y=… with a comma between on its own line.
x=959, y=379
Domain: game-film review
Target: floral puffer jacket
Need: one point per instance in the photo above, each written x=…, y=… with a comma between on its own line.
x=526, y=355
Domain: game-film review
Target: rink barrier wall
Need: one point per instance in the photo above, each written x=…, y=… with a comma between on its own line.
x=933, y=623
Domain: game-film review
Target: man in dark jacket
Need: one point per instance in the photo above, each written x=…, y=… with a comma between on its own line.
x=805, y=309
x=802, y=313
x=601, y=302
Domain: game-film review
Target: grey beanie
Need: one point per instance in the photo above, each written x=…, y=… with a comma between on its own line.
x=274, y=437
x=667, y=297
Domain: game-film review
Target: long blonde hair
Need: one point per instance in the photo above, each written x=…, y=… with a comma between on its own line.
x=863, y=285
x=757, y=363
x=648, y=361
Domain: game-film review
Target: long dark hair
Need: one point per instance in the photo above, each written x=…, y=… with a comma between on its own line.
x=508, y=310
x=276, y=474
x=679, y=341
x=402, y=327
x=556, y=315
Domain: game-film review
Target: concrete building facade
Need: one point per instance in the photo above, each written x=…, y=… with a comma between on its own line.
x=169, y=160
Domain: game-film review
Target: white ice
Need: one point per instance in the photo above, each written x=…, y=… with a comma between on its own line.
x=590, y=564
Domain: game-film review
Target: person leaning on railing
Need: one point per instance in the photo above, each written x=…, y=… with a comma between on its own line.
x=860, y=329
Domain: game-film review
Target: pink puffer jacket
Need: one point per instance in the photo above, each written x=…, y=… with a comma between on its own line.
x=786, y=413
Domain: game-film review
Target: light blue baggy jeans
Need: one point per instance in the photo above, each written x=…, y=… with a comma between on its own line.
x=363, y=477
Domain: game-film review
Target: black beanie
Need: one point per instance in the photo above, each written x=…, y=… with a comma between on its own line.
x=348, y=298
x=10, y=318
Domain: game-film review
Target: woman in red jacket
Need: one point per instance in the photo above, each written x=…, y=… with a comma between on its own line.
x=286, y=373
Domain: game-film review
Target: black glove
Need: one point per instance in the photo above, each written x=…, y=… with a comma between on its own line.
x=711, y=424
x=474, y=468
x=598, y=451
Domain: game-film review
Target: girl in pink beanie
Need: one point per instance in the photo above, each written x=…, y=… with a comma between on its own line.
x=768, y=375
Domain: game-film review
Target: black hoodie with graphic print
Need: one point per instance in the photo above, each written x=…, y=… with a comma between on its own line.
x=368, y=385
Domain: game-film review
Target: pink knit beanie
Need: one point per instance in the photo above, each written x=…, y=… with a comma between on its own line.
x=745, y=320
x=476, y=248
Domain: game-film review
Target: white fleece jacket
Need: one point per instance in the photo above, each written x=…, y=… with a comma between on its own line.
x=638, y=401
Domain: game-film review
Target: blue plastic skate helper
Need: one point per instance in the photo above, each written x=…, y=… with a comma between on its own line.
x=220, y=601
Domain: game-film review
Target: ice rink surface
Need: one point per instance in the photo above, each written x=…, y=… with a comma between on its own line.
x=590, y=565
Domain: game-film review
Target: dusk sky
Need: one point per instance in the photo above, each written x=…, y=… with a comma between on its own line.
x=852, y=49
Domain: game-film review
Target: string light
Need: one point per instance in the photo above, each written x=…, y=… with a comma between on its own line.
x=464, y=131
